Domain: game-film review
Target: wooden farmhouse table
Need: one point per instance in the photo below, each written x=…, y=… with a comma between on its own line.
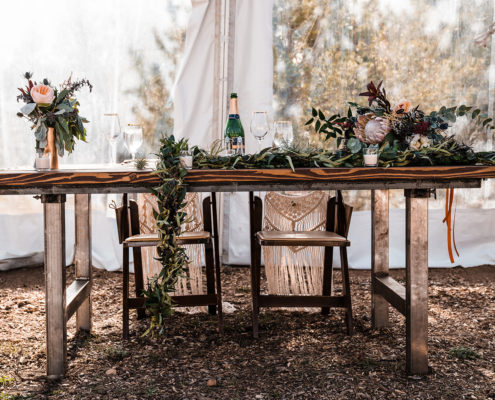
x=417, y=182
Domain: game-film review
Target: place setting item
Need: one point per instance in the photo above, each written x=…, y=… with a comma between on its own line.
x=112, y=131
x=234, y=132
x=259, y=126
x=370, y=156
x=283, y=134
x=133, y=139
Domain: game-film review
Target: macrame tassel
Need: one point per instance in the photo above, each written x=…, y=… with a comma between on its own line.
x=449, y=199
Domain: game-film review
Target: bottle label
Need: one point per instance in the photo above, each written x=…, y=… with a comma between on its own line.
x=234, y=116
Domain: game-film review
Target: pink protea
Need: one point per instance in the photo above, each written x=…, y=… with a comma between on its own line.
x=371, y=129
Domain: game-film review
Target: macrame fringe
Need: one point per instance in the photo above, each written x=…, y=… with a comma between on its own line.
x=192, y=281
x=294, y=270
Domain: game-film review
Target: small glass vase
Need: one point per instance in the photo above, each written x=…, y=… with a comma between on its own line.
x=370, y=156
x=186, y=160
x=42, y=162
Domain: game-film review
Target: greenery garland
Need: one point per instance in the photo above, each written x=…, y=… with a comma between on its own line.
x=170, y=197
x=448, y=152
x=171, y=193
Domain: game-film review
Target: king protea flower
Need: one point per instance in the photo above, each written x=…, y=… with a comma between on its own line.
x=371, y=129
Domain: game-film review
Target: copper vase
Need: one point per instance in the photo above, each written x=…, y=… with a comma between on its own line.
x=51, y=148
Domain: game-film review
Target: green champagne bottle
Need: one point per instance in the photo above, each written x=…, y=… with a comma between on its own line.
x=234, y=133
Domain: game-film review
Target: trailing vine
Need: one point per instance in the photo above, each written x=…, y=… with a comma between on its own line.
x=170, y=196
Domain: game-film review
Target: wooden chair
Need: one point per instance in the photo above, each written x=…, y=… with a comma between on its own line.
x=131, y=237
x=335, y=235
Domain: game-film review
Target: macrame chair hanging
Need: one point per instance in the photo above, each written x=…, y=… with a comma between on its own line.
x=192, y=282
x=294, y=269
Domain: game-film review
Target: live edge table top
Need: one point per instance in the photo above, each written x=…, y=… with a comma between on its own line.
x=118, y=179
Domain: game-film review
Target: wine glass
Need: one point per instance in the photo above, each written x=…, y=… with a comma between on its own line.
x=284, y=134
x=259, y=126
x=112, y=130
x=133, y=138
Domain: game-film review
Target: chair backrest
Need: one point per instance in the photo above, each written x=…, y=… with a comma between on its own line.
x=140, y=218
x=295, y=211
x=338, y=215
x=308, y=211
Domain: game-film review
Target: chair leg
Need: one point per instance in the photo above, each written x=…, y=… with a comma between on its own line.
x=125, y=294
x=255, y=287
x=217, y=260
x=210, y=275
x=327, y=276
x=219, y=298
x=347, y=290
x=138, y=278
x=255, y=218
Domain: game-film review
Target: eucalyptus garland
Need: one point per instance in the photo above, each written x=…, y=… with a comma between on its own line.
x=448, y=152
x=170, y=196
x=171, y=193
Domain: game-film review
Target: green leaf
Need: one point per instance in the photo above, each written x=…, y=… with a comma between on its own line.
x=61, y=96
x=28, y=108
x=314, y=112
x=321, y=115
x=354, y=145
x=290, y=163
x=65, y=107
x=486, y=121
x=310, y=121
x=317, y=126
x=475, y=113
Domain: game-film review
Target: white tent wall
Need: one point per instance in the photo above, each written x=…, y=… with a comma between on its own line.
x=251, y=75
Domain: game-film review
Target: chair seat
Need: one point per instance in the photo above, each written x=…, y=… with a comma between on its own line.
x=292, y=238
x=151, y=239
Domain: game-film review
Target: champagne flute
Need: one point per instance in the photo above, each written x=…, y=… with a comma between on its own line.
x=284, y=134
x=259, y=126
x=112, y=131
x=133, y=138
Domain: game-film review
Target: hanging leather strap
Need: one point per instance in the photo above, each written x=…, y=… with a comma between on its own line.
x=449, y=199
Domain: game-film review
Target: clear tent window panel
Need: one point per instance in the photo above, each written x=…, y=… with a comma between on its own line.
x=127, y=49
x=432, y=53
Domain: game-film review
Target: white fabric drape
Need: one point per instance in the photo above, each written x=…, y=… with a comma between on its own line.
x=193, y=89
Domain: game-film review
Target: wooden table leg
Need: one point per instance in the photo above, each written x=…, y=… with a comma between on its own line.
x=56, y=333
x=379, y=254
x=417, y=281
x=82, y=256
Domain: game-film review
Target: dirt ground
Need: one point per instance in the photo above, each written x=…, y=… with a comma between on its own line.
x=299, y=355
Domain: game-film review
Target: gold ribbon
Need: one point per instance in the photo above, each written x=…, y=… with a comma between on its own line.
x=449, y=199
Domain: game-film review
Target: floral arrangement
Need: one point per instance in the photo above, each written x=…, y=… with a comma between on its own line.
x=51, y=107
x=404, y=134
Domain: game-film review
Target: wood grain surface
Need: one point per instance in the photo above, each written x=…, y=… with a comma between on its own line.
x=127, y=179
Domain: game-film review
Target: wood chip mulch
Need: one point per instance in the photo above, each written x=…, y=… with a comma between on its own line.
x=299, y=355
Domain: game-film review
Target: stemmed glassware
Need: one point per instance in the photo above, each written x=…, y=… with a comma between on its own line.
x=283, y=133
x=112, y=131
x=133, y=138
x=259, y=126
